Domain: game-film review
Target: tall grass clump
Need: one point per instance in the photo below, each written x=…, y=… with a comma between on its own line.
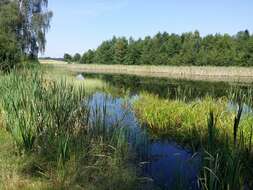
x=51, y=127
x=180, y=120
x=224, y=167
x=223, y=135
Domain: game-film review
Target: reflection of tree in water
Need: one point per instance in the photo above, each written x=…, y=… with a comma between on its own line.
x=168, y=88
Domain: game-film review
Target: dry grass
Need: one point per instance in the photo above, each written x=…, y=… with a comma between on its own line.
x=43, y=61
x=207, y=73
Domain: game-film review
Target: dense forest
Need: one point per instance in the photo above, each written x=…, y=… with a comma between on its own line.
x=23, y=25
x=172, y=49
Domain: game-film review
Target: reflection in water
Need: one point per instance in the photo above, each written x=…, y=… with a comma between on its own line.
x=168, y=88
x=233, y=107
x=166, y=163
x=172, y=166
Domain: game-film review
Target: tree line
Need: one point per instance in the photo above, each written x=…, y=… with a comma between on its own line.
x=172, y=49
x=23, y=25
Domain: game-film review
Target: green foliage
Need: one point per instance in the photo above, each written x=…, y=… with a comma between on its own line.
x=105, y=52
x=50, y=122
x=67, y=57
x=171, y=49
x=206, y=125
x=77, y=58
x=120, y=51
x=35, y=22
x=23, y=26
x=88, y=57
x=10, y=53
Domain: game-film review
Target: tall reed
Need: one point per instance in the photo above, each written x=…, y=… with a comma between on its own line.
x=50, y=121
x=223, y=136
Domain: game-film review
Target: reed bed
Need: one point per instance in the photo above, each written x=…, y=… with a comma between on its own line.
x=50, y=126
x=183, y=119
x=223, y=136
x=90, y=85
x=51, y=134
x=206, y=73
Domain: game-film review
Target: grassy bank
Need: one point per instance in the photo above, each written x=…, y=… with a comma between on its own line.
x=90, y=85
x=187, y=119
x=12, y=176
x=207, y=125
x=53, y=139
x=50, y=141
x=230, y=74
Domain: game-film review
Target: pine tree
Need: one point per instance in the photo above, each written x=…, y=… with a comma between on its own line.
x=120, y=51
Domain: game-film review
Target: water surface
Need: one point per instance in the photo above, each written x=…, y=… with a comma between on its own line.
x=169, y=88
x=163, y=164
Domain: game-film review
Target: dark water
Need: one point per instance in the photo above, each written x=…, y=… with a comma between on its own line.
x=165, y=165
x=169, y=88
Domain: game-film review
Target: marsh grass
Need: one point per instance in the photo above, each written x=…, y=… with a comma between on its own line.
x=181, y=120
x=223, y=136
x=11, y=166
x=226, y=167
x=91, y=85
x=58, y=141
x=49, y=125
x=206, y=73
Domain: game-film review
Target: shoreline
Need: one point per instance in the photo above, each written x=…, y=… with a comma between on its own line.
x=201, y=73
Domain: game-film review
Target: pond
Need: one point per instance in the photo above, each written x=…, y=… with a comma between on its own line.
x=163, y=164
x=168, y=88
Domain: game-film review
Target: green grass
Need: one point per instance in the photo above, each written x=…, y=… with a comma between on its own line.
x=11, y=176
x=49, y=140
x=53, y=141
x=91, y=85
x=187, y=120
x=208, y=126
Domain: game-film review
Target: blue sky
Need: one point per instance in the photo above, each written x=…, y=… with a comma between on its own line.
x=80, y=25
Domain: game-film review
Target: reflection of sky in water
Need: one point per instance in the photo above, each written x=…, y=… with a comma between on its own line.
x=171, y=166
x=118, y=112
x=233, y=107
x=166, y=163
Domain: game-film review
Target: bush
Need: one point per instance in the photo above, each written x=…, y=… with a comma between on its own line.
x=10, y=54
x=10, y=48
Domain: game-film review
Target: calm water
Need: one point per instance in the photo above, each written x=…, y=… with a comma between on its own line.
x=165, y=164
x=168, y=88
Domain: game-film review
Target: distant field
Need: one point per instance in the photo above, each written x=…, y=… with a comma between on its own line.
x=46, y=61
x=208, y=73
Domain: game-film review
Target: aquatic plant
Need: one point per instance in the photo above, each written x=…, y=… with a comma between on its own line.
x=50, y=123
x=207, y=125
